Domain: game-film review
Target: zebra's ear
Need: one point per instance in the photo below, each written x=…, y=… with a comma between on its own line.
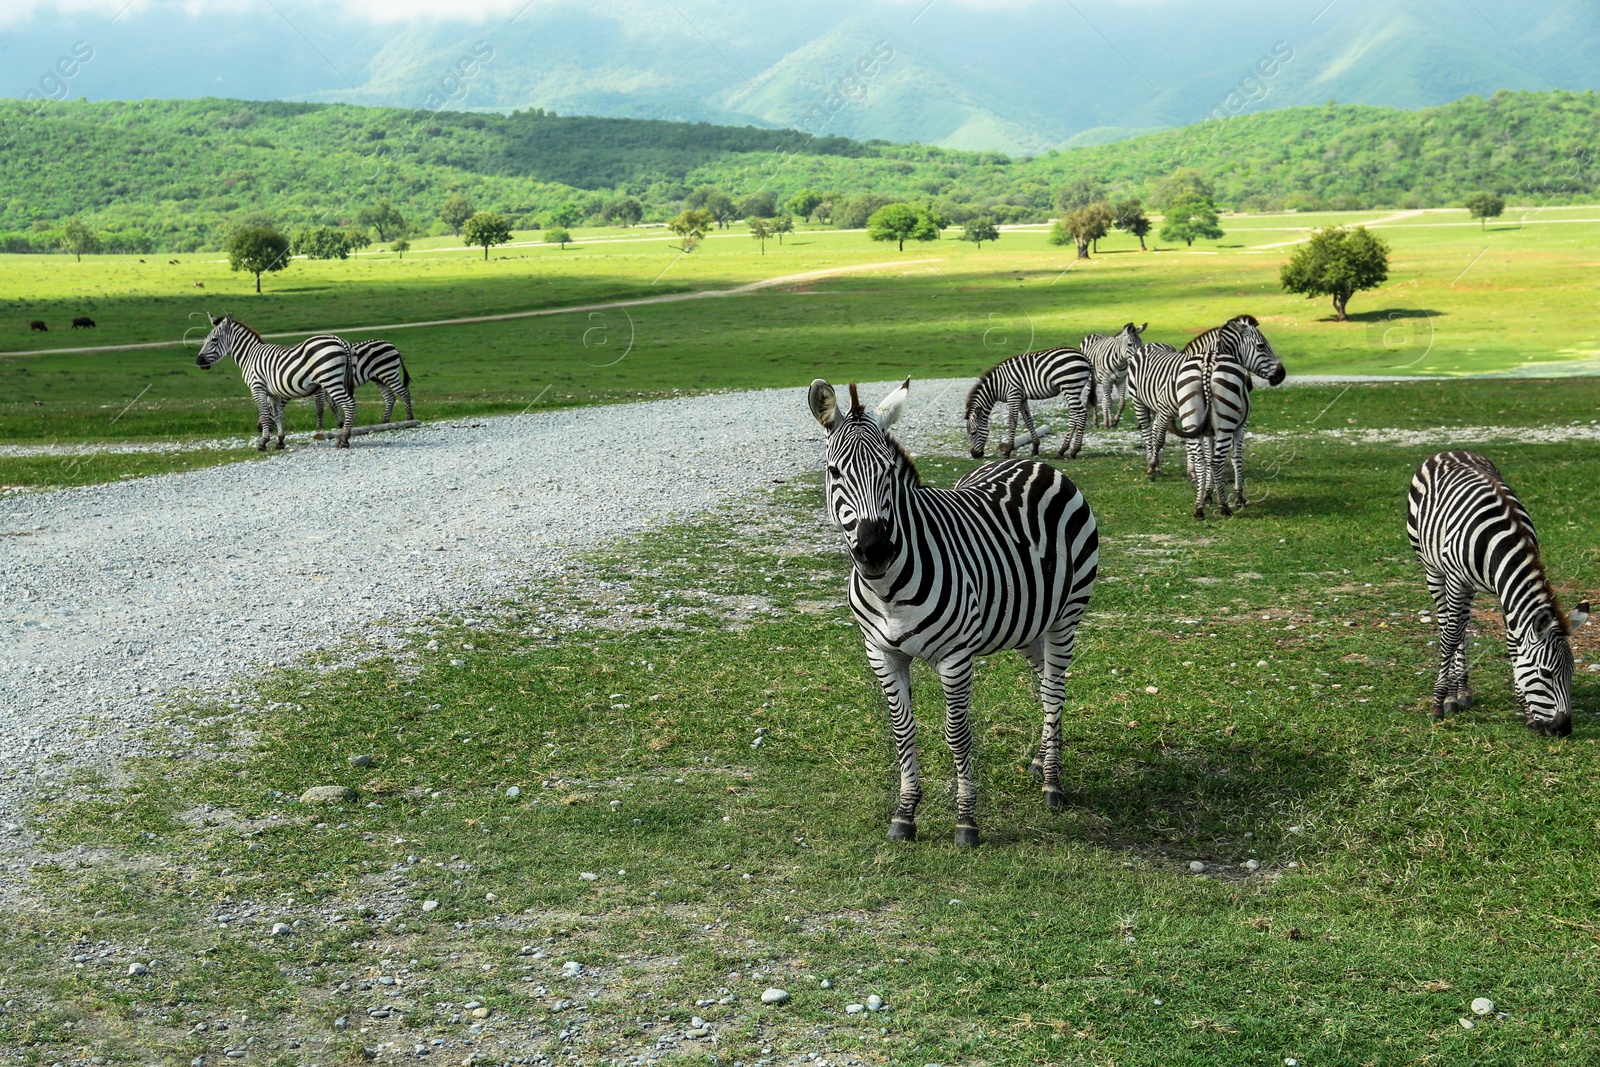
x=891, y=407
x=1578, y=615
x=1143, y=328
x=824, y=405
x=213, y=318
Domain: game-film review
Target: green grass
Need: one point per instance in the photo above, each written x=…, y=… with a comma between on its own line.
x=1459, y=301
x=1407, y=866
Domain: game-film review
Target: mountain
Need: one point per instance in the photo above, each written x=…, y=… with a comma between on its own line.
x=996, y=75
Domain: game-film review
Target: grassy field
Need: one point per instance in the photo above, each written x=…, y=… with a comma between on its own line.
x=713, y=751
x=1460, y=300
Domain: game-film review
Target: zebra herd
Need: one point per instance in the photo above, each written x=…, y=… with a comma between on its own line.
x=325, y=367
x=1007, y=559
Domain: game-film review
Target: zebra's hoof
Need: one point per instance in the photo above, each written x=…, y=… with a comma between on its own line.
x=1450, y=708
x=1463, y=701
x=261, y=446
x=1239, y=502
x=1036, y=768
x=900, y=830
x=1200, y=513
x=1227, y=512
x=967, y=836
x=1054, y=799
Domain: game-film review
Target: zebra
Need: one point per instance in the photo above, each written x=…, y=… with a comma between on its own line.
x=1109, y=356
x=1228, y=354
x=1473, y=535
x=378, y=361
x=276, y=373
x=1037, y=375
x=1157, y=375
x=1007, y=559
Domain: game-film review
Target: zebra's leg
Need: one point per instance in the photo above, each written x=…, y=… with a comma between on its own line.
x=1013, y=405
x=388, y=401
x=1451, y=615
x=893, y=669
x=955, y=672
x=405, y=398
x=1050, y=665
x=317, y=398
x=1238, y=468
x=1077, y=417
x=266, y=414
x=1027, y=418
x=1200, y=459
x=347, y=416
x=1221, y=458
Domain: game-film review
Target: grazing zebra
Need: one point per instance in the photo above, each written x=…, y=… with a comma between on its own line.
x=1052, y=372
x=378, y=361
x=276, y=373
x=1228, y=355
x=1473, y=535
x=1006, y=559
x=1157, y=374
x=1109, y=357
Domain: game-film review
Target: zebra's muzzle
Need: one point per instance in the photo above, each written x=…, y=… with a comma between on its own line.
x=874, y=547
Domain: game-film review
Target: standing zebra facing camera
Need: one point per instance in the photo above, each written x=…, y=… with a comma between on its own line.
x=1050, y=372
x=276, y=373
x=1218, y=400
x=377, y=361
x=1007, y=559
x=1473, y=535
x=1109, y=358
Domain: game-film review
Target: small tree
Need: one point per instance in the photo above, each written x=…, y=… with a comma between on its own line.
x=1130, y=218
x=78, y=239
x=720, y=205
x=401, y=247
x=1077, y=194
x=1337, y=262
x=258, y=249
x=979, y=230
x=897, y=222
x=455, y=213
x=782, y=224
x=355, y=240
x=1485, y=206
x=624, y=212
x=1083, y=227
x=555, y=235
x=1182, y=184
x=804, y=203
x=691, y=224
x=486, y=228
x=1189, y=218
x=564, y=215
x=760, y=229
x=321, y=242
x=382, y=217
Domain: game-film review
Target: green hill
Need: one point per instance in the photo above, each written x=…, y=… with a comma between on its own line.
x=179, y=175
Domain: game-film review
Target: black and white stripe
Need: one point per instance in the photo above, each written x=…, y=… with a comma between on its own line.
x=1228, y=355
x=378, y=361
x=1157, y=375
x=276, y=373
x=1109, y=357
x=1473, y=535
x=1005, y=560
x=1051, y=372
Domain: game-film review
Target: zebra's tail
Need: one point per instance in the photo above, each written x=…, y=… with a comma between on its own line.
x=405, y=375
x=350, y=370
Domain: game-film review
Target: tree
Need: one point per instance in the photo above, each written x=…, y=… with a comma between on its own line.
x=759, y=204
x=691, y=224
x=1485, y=206
x=564, y=215
x=401, y=247
x=979, y=230
x=782, y=224
x=557, y=236
x=355, y=240
x=321, y=242
x=455, y=213
x=78, y=239
x=382, y=217
x=1083, y=227
x=1181, y=184
x=1130, y=218
x=1077, y=194
x=896, y=222
x=804, y=203
x=486, y=228
x=625, y=212
x=760, y=229
x=258, y=249
x=1337, y=262
x=1188, y=218
x=853, y=214
x=720, y=205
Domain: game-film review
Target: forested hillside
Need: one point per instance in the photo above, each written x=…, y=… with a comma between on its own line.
x=180, y=175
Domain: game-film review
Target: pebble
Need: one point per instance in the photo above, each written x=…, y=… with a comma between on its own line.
x=328, y=794
x=1252, y=865
x=281, y=929
x=875, y=1003
x=697, y=1031
x=430, y=905
x=589, y=876
x=1152, y=690
x=139, y=968
x=571, y=969
x=1466, y=1023
x=480, y=1013
x=1261, y=663
x=854, y=1009
x=773, y=995
x=825, y=984
x=1196, y=866
x=514, y=791
x=360, y=761
x=1482, y=1006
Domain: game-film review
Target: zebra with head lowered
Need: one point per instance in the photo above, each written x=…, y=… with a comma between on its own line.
x=1006, y=559
x=1473, y=535
x=1109, y=357
x=1218, y=400
x=276, y=373
x=1040, y=375
x=378, y=361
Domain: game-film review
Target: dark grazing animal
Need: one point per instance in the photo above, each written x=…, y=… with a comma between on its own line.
x=1006, y=559
x=83, y=322
x=1473, y=535
x=38, y=326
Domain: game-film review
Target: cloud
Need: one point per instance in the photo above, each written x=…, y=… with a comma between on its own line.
x=15, y=11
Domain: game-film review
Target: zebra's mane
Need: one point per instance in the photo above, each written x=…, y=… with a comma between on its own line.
x=982, y=383
x=1514, y=509
x=247, y=330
